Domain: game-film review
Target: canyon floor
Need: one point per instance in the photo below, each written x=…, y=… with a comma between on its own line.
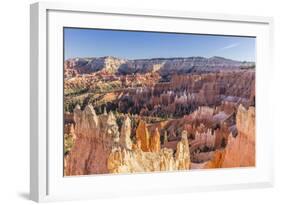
x=157, y=115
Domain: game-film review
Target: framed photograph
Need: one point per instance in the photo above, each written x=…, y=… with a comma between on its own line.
x=129, y=102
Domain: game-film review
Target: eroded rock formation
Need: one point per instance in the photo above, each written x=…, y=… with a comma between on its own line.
x=99, y=148
x=240, y=150
x=125, y=140
x=95, y=136
x=155, y=141
x=169, y=114
x=185, y=93
x=182, y=153
x=244, y=143
x=122, y=160
x=143, y=138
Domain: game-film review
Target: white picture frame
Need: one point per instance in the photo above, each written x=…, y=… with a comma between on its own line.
x=46, y=172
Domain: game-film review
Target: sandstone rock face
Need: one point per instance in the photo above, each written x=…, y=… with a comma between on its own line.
x=244, y=143
x=86, y=122
x=245, y=122
x=155, y=141
x=125, y=140
x=128, y=161
x=146, y=141
x=240, y=150
x=95, y=136
x=216, y=161
x=143, y=137
x=122, y=160
x=182, y=154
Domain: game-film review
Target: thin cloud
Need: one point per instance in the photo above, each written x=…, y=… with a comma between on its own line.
x=233, y=45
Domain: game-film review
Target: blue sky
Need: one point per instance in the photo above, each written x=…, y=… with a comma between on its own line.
x=138, y=45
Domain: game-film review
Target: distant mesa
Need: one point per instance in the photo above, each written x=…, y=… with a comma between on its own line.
x=164, y=66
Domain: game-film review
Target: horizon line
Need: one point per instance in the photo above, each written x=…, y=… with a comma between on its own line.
x=152, y=58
